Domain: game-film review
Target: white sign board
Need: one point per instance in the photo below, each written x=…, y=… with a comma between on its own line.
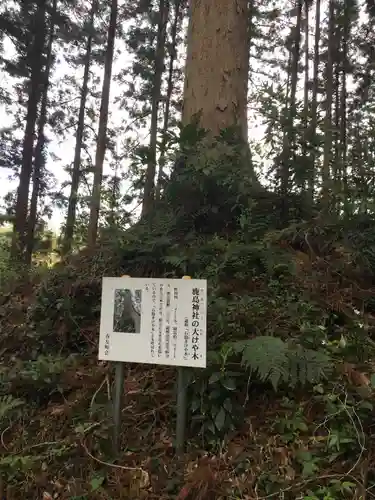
x=150, y=320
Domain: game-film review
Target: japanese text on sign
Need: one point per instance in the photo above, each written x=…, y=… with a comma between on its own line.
x=149, y=320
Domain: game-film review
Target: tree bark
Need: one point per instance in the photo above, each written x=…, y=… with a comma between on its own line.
x=114, y=196
x=216, y=72
x=326, y=168
x=102, y=132
x=149, y=187
x=76, y=173
x=336, y=158
x=314, y=106
x=20, y=222
x=343, y=99
x=306, y=83
x=39, y=149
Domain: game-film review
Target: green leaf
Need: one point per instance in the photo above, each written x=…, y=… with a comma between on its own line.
x=210, y=427
x=215, y=377
x=302, y=427
x=215, y=394
x=347, y=486
x=304, y=456
x=220, y=419
x=366, y=405
x=96, y=482
x=309, y=468
x=228, y=405
x=229, y=384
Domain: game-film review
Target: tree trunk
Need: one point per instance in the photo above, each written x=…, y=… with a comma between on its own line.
x=149, y=188
x=306, y=84
x=20, y=222
x=102, y=132
x=284, y=166
x=76, y=173
x=314, y=106
x=216, y=72
x=326, y=174
x=289, y=142
x=172, y=59
x=39, y=149
x=294, y=72
x=343, y=124
x=336, y=159
x=114, y=196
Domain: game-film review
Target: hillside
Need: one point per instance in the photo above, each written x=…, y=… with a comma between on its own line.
x=285, y=404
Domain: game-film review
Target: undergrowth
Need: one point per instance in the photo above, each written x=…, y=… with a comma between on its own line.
x=284, y=408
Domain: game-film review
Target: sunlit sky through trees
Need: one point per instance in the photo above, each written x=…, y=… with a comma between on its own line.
x=61, y=150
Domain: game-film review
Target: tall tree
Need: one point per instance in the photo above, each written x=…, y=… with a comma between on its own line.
x=40, y=145
x=289, y=134
x=76, y=172
x=103, y=123
x=328, y=136
x=306, y=83
x=313, y=136
x=36, y=57
x=149, y=188
x=343, y=103
x=178, y=14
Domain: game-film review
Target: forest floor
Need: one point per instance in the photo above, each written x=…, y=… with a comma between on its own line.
x=57, y=429
x=309, y=438
x=60, y=448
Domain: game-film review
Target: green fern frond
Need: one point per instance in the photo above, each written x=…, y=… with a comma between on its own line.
x=8, y=404
x=278, y=362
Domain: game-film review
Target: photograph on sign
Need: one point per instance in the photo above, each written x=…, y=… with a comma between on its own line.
x=127, y=311
x=150, y=320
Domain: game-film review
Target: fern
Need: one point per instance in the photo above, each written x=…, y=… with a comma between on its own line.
x=8, y=404
x=278, y=362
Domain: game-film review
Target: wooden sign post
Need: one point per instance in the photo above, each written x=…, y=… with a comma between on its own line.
x=181, y=413
x=158, y=321
x=117, y=401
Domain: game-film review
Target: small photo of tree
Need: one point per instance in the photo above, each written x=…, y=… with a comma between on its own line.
x=127, y=311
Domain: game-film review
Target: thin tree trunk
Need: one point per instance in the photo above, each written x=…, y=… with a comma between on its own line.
x=113, y=200
x=306, y=85
x=20, y=223
x=336, y=159
x=343, y=124
x=314, y=106
x=359, y=167
x=76, y=173
x=294, y=72
x=284, y=165
x=102, y=132
x=289, y=145
x=172, y=59
x=39, y=149
x=326, y=173
x=149, y=187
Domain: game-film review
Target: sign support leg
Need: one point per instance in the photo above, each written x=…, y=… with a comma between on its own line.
x=181, y=404
x=117, y=404
x=181, y=409
x=117, y=400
